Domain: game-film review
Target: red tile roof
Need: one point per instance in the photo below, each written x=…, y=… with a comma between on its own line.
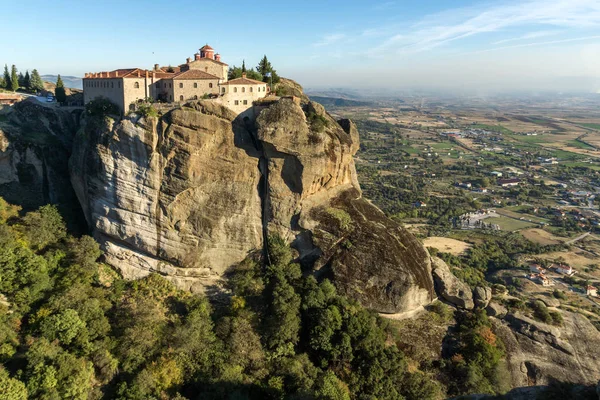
x=194, y=74
x=206, y=47
x=130, y=73
x=243, y=81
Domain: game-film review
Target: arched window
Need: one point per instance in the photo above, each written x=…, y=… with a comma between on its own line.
x=250, y=89
x=136, y=85
x=222, y=90
x=180, y=98
x=195, y=86
x=181, y=85
x=234, y=90
x=243, y=90
x=196, y=97
x=210, y=85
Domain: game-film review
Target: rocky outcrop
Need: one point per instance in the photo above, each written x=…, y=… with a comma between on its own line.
x=482, y=296
x=539, y=354
x=35, y=145
x=449, y=287
x=192, y=193
x=313, y=199
x=176, y=195
x=496, y=310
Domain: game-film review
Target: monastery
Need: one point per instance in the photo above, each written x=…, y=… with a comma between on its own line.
x=203, y=76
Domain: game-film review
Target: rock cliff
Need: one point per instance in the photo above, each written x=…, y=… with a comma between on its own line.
x=35, y=145
x=192, y=193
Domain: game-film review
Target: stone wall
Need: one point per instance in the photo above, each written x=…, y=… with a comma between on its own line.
x=184, y=89
x=111, y=89
x=240, y=97
x=210, y=66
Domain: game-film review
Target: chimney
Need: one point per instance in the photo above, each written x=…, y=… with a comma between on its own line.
x=153, y=75
x=146, y=74
x=138, y=73
x=244, y=75
x=117, y=73
x=218, y=57
x=188, y=60
x=196, y=56
x=156, y=67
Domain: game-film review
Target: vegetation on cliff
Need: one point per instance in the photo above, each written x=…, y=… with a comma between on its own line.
x=70, y=327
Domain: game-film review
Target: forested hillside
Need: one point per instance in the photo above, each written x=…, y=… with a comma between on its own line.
x=72, y=328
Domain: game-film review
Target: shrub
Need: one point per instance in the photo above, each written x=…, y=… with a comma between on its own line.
x=101, y=107
x=146, y=109
x=343, y=219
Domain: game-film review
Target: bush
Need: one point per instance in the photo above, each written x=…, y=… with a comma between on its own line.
x=146, y=109
x=102, y=107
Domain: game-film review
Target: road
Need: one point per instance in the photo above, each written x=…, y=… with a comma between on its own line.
x=577, y=238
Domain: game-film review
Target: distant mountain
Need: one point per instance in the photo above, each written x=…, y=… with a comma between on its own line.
x=338, y=102
x=69, y=81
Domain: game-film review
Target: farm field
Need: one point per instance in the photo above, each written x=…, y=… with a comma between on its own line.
x=447, y=245
x=541, y=236
x=509, y=224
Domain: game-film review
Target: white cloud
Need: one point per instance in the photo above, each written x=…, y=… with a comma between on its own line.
x=530, y=35
x=577, y=39
x=442, y=28
x=328, y=40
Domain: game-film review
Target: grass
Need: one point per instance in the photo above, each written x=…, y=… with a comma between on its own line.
x=492, y=128
x=580, y=145
x=509, y=224
x=530, y=139
x=579, y=164
x=590, y=125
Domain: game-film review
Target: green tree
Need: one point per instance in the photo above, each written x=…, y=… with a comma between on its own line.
x=21, y=80
x=44, y=227
x=11, y=388
x=36, y=83
x=14, y=79
x=264, y=68
x=6, y=79
x=27, y=81
x=59, y=92
x=243, y=66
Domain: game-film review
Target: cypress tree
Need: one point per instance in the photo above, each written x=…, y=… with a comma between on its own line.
x=59, y=92
x=7, y=84
x=21, y=79
x=14, y=79
x=36, y=82
x=243, y=66
x=27, y=80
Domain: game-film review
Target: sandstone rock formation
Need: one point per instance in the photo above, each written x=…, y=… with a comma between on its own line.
x=482, y=296
x=539, y=353
x=191, y=194
x=496, y=310
x=35, y=144
x=176, y=195
x=449, y=287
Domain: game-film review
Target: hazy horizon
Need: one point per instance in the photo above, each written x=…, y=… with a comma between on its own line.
x=496, y=46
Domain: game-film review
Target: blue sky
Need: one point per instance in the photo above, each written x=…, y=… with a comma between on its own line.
x=456, y=45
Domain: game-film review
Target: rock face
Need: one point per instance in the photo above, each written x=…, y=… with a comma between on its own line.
x=539, y=353
x=176, y=196
x=192, y=193
x=496, y=310
x=449, y=287
x=482, y=296
x=35, y=145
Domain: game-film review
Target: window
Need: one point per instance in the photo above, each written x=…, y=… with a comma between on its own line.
x=170, y=85
x=234, y=90
x=243, y=90
x=195, y=86
x=136, y=85
x=222, y=90
x=181, y=85
x=112, y=85
x=245, y=102
x=237, y=103
x=171, y=97
x=250, y=89
x=210, y=85
x=195, y=97
x=180, y=98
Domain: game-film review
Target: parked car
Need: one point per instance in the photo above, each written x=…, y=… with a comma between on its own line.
x=50, y=98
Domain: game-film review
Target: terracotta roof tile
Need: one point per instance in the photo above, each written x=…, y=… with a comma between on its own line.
x=194, y=74
x=243, y=81
x=206, y=47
